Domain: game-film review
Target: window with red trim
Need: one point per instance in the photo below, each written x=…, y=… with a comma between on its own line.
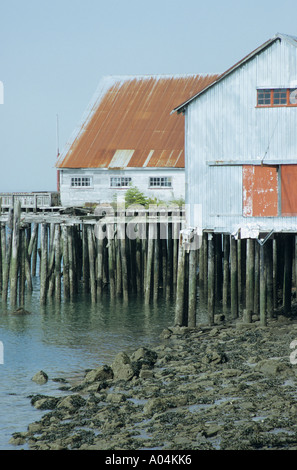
x=276, y=97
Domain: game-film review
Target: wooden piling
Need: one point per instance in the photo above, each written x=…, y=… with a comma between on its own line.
x=192, y=296
x=164, y=265
x=123, y=251
x=85, y=258
x=263, y=289
x=15, y=254
x=6, y=266
x=58, y=256
x=51, y=261
x=150, y=257
x=211, y=278
x=226, y=272
x=234, y=278
x=250, y=272
x=274, y=254
x=169, y=270
x=118, y=268
x=28, y=268
x=99, y=269
x=257, y=279
x=180, y=287
x=66, y=287
x=43, y=263
x=269, y=268
x=218, y=268
x=287, y=282
x=71, y=261
x=111, y=260
x=156, y=276
x=91, y=263
x=22, y=275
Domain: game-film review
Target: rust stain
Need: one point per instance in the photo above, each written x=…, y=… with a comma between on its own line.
x=260, y=191
x=289, y=190
x=135, y=114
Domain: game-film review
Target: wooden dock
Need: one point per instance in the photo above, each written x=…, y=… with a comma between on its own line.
x=124, y=254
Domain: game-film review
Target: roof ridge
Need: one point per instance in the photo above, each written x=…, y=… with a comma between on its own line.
x=289, y=39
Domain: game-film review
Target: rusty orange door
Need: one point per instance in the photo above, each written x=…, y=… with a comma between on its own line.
x=260, y=191
x=289, y=190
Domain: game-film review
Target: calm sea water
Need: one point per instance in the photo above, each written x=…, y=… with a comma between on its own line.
x=64, y=340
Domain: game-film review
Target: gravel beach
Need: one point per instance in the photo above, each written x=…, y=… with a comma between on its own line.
x=225, y=387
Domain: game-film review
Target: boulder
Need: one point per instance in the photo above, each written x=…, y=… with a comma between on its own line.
x=40, y=378
x=122, y=367
x=144, y=357
x=214, y=357
x=72, y=402
x=273, y=367
x=101, y=374
x=156, y=405
x=42, y=402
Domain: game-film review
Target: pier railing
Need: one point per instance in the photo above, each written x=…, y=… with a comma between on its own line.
x=29, y=200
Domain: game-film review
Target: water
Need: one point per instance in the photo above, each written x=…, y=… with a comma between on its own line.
x=65, y=340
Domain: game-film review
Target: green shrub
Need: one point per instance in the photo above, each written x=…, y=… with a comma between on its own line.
x=135, y=196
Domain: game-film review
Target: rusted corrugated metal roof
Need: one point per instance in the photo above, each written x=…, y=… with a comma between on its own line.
x=129, y=123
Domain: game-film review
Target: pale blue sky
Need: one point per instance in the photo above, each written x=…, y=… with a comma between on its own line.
x=54, y=53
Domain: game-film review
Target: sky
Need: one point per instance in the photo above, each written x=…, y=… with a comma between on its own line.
x=54, y=53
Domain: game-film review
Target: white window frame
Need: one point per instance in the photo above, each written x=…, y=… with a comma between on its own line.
x=120, y=181
x=83, y=182
x=160, y=182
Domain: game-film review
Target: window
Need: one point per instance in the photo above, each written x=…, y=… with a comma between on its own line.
x=277, y=97
x=160, y=182
x=264, y=97
x=80, y=181
x=120, y=182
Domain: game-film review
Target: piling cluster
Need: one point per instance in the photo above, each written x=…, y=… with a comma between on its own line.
x=248, y=278
x=123, y=255
x=150, y=255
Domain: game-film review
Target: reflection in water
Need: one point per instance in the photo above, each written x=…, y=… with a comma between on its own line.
x=64, y=340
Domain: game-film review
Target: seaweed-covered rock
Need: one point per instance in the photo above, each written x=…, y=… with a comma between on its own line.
x=40, y=378
x=101, y=374
x=122, y=367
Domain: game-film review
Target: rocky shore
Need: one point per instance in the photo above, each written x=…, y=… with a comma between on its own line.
x=225, y=387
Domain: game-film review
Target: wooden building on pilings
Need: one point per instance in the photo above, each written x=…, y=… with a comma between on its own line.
x=241, y=169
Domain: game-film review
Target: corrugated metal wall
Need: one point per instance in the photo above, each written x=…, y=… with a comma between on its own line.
x=224, y=124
